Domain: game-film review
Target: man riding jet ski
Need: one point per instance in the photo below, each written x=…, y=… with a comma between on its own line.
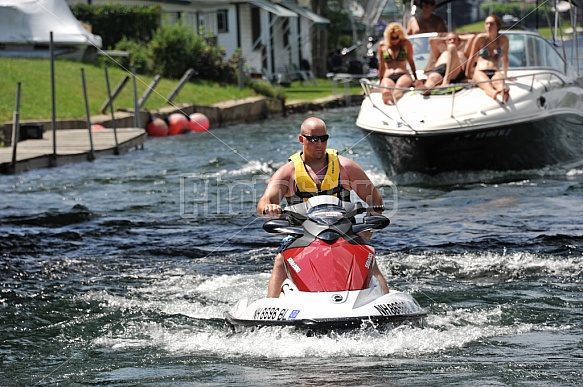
x=329, y=284
x=336, y=259
x=315, y=171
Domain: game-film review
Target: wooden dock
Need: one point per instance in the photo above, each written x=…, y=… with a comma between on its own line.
x=72, y=146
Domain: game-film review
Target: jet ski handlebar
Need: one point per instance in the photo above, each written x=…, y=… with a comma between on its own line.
x=331, y=206
x=328, y=201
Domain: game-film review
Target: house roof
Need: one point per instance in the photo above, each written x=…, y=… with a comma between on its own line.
x=304, y=12
x=273, y=8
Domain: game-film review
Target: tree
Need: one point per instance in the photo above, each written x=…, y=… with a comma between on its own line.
x=320, y=40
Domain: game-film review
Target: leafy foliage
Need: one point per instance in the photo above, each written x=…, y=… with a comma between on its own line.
x=176, y=48
x=267, y=89
x=523, y=11
x=140, y=56
x=114, y=22
x=339, y=34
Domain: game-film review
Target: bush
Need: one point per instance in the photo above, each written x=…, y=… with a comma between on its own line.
x=114, y=22
x=177, y=48
x=140, y=55
x=174, y=50
x=230, y=68
x=267, y=89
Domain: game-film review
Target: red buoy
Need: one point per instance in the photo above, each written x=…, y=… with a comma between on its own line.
x=157, y=128
x=199, y=122
x=178, y=124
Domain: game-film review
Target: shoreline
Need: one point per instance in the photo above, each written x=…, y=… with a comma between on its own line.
x=220, y=114
x=41, y=151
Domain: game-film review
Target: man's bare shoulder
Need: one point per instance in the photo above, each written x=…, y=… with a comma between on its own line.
x=286, y=171
x=343, y=160
x=437, y=22
x=348, y=164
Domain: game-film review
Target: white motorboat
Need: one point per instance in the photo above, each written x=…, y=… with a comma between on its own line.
x=461, y=128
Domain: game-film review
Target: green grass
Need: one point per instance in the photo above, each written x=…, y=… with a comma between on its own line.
x=35, y=102
x=34, y=76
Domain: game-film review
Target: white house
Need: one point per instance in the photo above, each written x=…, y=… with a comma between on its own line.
x=272, y=35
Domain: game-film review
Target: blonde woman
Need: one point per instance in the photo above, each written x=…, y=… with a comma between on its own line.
x=489, y=49
x=395, y=51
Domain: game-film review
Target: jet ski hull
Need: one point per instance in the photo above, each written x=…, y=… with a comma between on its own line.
x=329, y=310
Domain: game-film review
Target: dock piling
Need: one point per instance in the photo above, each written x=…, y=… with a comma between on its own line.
x=91, y=154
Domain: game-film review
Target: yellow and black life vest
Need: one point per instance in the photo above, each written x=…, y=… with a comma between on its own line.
x=305, y=185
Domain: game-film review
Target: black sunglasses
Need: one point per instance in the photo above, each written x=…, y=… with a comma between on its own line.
x=322, y=138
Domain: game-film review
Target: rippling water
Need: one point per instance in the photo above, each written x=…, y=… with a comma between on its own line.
x=118, y=272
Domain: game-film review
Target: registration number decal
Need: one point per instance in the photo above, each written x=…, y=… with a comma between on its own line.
x=393, y=308
x=270, y=314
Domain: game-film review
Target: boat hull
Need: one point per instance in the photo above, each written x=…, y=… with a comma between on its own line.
x=555, y=140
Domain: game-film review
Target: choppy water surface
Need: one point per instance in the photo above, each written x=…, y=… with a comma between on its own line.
x=118, y=272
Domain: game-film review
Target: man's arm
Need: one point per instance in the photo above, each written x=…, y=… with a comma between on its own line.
x=276, y=190
x=412, y=26
x=360, y=182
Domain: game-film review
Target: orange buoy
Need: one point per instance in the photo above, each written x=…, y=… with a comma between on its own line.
x=199, y=122
x=97, y=127
x=178, y=124
x=157, y=127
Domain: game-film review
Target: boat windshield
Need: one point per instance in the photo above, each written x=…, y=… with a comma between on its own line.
x=528, y=50
x=422, y=51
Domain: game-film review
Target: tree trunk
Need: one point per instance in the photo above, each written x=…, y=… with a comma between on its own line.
x=320, y=40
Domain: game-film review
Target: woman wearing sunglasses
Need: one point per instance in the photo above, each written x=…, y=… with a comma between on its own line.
x=315, y=170
x=395, y=51
x=427, y=21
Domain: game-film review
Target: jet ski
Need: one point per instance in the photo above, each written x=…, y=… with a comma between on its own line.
x=329, y=282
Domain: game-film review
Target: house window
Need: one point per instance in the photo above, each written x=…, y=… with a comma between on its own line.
x=222, y=21
x=255, y=27
x=285, y=32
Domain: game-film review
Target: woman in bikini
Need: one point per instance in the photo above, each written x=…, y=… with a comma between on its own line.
x=395, y=51
x=488, y=50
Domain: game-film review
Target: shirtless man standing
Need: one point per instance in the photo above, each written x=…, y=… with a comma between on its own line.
x=427, y=21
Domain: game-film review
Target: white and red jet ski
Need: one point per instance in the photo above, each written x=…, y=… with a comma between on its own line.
x=329, y=281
